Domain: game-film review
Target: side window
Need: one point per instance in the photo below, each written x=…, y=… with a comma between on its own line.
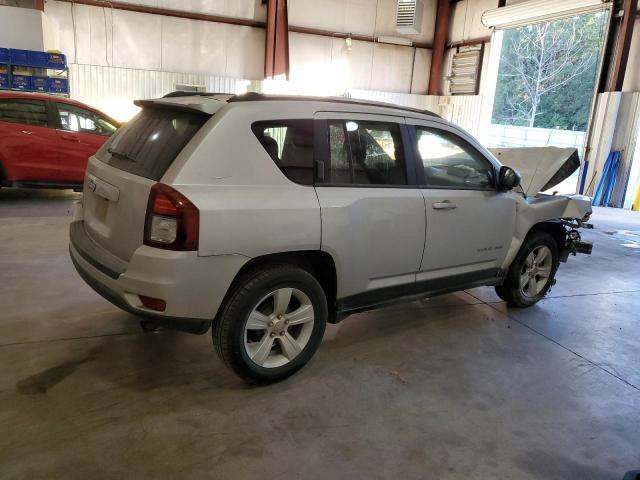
x=290, y=144
x=365, y=153
x=29, y=112
x=450, y=161
x=79, y=120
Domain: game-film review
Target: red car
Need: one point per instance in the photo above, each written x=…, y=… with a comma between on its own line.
x=46, y=141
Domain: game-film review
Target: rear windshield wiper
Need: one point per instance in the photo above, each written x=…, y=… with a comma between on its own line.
x=121, y=154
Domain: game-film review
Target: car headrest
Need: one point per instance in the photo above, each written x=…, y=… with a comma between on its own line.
x=271, y=146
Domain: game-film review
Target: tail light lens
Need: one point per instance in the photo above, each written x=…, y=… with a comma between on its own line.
x=172, y=221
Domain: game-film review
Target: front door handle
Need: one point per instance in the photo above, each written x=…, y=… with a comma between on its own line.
x=444, y=205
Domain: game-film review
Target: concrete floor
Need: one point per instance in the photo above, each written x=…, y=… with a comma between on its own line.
x=454, y=387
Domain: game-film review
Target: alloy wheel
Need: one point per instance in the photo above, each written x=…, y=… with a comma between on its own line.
x=536, y=271
x=279, y=327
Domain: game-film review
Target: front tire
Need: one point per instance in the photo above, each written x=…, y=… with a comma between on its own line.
x=532, y=272
x=272, y=323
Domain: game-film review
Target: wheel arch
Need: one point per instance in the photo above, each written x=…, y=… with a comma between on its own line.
x=553, y=228
x=318, y=263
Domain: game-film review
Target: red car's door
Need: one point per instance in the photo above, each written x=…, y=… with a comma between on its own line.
x=27, y=141
x=81, y=133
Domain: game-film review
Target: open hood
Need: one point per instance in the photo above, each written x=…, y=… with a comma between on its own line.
x=541, y=168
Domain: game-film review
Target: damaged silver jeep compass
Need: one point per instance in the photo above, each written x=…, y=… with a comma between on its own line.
x=263, y=218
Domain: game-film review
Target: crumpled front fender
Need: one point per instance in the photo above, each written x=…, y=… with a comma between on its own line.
x=541, y=208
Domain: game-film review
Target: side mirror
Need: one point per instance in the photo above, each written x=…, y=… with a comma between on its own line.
x=508, y=178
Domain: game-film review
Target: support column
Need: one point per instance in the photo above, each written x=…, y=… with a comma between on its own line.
x=623, y=45
x=276, y=55
x=439, y=46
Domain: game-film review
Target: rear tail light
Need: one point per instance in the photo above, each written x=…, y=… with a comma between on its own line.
x=172, y=221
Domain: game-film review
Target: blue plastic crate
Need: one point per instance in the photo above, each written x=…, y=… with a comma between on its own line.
x=56, y=60
x=57, y=85
x=38, y=59
x=18, y=57
x=39, y=84
x=4, y=81
x=21, y=82
x=4, y=55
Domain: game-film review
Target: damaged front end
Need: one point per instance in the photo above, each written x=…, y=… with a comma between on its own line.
x=542, y=168
x=573, y=240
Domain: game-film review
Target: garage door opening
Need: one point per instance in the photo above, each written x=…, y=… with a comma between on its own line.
x=546, y=83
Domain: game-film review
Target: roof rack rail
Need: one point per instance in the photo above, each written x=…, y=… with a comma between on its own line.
x=254, y=96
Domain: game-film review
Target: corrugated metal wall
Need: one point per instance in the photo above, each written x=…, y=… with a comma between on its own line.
x=424, y=102
x=113, y=89
x=463, y=110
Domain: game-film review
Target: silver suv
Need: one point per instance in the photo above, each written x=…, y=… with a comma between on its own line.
x=266, y=217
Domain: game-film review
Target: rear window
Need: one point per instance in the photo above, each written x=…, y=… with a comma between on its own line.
x=150, y=142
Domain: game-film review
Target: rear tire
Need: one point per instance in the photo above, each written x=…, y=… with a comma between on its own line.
x=272, y=323
x=532, y=272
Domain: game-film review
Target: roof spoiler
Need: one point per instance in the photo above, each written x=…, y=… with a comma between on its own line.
x=184, y=104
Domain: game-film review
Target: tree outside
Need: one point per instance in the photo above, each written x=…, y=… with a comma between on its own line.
x=548, y=72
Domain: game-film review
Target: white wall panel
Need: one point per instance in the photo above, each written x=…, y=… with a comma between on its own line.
x=420, y=82
x=193, y=46
x=465, y=20
x=20, y=28
x=245, y=52
x=251, y=9
x=113, y=89
x=355, y=64
x=392, y=67
x=328, y=62
x=423, y=102
x=137, y=38
x=463, y=110
x=365, y=17
x=106, y=37
x=632, y=75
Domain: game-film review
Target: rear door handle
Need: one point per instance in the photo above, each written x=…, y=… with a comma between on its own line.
x=70, y=138
x=444, y=205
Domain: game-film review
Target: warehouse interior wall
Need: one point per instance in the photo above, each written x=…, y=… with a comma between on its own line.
x=632, y=77
x=15, y=22
x=116, y=56
x=132, y=40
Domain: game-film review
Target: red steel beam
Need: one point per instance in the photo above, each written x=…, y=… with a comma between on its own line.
x=623, y=45
x=439, y=45
x=276, y=54
x=270, y=40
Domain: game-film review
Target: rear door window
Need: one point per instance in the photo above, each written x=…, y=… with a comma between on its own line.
x=76, y=119
x=365, y=153
x=150, y=142
x=290, y=145
x=27, y=112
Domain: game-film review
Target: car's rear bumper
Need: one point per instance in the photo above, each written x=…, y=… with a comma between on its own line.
x=193, y=287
